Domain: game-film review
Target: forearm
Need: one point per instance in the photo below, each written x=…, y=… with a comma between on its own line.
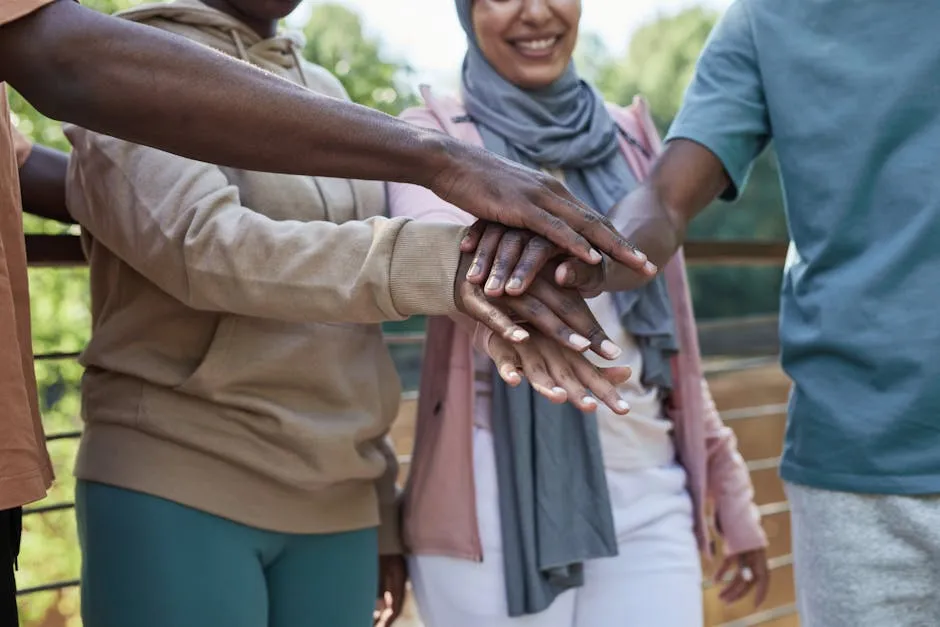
x=655, y=217
x=42, y=183
x=157, y=89
x=182, y=225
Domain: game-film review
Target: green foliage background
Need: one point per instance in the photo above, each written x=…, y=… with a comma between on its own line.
x=658, y=63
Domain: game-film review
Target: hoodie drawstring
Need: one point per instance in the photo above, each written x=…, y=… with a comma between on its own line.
x=300, y=66
x=243, y=55
x=240, y=46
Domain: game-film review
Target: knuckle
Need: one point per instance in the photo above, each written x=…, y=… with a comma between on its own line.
x=596, y=333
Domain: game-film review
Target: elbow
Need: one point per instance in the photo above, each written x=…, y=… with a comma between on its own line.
x=55, y=85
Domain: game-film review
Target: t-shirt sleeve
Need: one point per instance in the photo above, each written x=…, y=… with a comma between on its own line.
x=724, y=107
x=15, y=9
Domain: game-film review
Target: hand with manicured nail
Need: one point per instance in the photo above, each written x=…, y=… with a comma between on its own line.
x=558, y=313
x=507, y=260
x=557, y=374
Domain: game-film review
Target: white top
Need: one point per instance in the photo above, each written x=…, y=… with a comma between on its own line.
x=641, y=439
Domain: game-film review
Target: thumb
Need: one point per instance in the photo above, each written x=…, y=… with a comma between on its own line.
x=576, y=274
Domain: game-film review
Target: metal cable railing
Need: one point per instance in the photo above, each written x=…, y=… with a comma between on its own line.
x=63, y=251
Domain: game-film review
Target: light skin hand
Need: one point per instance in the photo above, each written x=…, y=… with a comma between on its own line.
x=557, y=374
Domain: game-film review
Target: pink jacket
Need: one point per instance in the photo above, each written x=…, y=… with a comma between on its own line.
x=439, y=515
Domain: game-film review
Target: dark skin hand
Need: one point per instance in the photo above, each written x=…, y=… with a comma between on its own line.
x=42, y=184
x=686, y=178
x=558, y=313
x=393, y=579
x=557, y=374
x=748, y=571
x=153, y=88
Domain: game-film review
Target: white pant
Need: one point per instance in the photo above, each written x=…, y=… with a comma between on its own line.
x=655, y=581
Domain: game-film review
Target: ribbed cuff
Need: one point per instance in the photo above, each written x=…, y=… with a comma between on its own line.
x=744, y=531
x=424, y=265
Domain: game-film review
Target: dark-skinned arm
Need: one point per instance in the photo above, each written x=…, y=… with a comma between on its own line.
x=686, y=178
x=42, y=184
x=159, y=90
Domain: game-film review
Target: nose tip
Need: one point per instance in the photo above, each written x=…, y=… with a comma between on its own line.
x=536, y=10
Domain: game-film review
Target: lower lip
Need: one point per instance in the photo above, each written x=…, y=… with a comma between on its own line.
x=537, y=53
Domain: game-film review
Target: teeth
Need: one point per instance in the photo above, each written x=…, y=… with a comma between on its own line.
x=537, y=44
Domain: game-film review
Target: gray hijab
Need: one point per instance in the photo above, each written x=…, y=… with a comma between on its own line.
x=567, y=126
x=554, y=504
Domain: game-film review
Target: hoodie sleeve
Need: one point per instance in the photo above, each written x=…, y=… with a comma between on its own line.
x=181, y=224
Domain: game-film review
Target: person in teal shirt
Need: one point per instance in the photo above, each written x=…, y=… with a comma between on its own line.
x=849, y=94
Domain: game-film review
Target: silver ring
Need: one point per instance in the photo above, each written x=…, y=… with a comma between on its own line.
x=747, y=574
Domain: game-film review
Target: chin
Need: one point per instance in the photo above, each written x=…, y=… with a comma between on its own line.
x=537, y=79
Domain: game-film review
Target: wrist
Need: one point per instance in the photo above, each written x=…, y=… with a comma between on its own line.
x=437, y=154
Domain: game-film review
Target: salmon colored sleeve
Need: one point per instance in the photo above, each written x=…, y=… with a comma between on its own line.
x=21, y=146
x=11, y=10
x=729, y=485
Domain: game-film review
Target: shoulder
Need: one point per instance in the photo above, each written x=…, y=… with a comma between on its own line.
x=439, y=112
x=635, y=122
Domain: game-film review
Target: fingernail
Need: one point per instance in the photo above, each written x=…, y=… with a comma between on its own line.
x=589, y=400
x=466, y=239
x=511, y=376
x=519, y=335
x=514, y=284
x=595, y=256
x=557, y=390
x=493, y=284
x=474, y=270
x=650, y=267
x=610, y=349
x=578, y=341
x=639, y=254
x=623, y=405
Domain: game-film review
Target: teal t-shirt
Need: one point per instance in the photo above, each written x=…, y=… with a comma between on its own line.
x=849, y=92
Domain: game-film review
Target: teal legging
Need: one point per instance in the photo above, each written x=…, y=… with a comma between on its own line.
x=149, y=562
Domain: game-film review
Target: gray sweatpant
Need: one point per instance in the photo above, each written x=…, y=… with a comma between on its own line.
x=865, y=561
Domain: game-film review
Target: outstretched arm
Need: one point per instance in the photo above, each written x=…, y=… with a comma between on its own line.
x=156, y=89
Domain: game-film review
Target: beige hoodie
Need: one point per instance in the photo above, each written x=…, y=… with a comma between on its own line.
x=236, y=365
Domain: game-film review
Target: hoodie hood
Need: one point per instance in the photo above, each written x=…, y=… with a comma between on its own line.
x=203, y=24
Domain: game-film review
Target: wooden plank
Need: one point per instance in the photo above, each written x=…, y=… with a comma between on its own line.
x=736, y=252
x=768, y=487
x=790, y=620
x=754, y=387
x=760, y=437
x=739, y=336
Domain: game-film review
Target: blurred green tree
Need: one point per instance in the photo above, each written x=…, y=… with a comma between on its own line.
x=335, y=40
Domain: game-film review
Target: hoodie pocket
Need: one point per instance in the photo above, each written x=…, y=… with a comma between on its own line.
x=205, y=378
